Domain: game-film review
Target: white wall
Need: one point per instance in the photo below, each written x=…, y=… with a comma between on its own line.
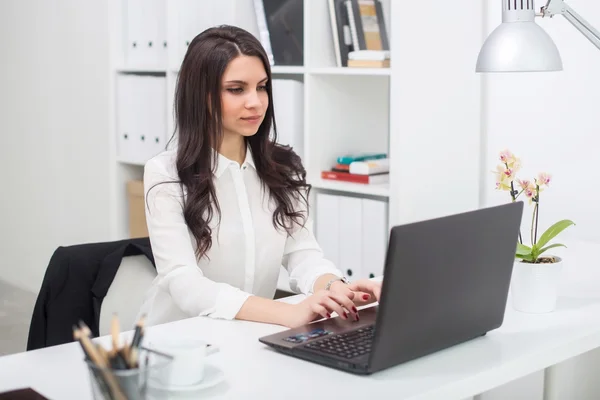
x=54, y=82
x=551, y=121
x=435, y=107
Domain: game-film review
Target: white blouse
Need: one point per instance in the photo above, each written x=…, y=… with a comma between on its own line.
x=246, y=254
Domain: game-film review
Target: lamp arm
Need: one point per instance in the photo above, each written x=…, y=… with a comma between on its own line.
x=559, y=7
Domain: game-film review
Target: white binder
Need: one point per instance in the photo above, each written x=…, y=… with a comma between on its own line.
x=157, y=115
x=157, y=33
x=134, y=41
x=327, y=226
x=350, y=237
x=141, y=117
x=353, y=233
x=144, y=118
x=124, y=131
x=374, y=237
x=288, y=103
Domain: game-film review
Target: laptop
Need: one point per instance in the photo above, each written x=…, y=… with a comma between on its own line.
x=446, y=281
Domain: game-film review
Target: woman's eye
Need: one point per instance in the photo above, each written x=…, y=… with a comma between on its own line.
x=235, y=90
x=262, y=88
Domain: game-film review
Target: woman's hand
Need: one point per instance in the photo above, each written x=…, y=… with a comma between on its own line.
x=362, y=291
x=320, y=305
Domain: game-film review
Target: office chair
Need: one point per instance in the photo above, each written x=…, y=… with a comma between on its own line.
x=126, y=293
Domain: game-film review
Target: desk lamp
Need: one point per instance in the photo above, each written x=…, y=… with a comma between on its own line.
x=521, y=45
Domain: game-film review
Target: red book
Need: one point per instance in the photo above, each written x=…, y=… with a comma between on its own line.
x=341, y=168
x=355, y=178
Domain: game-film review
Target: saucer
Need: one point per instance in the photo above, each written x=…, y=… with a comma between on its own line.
x=212, y=376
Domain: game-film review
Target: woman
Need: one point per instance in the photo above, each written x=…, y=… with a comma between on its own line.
x=229, y=206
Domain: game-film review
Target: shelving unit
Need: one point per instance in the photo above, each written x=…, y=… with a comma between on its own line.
x=381, y=190
x=346, y=110
x=349, y=71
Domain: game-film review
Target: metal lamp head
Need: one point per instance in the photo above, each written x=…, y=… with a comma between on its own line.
x=518, y=44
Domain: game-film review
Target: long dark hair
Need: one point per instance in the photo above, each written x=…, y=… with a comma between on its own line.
x=199, y=129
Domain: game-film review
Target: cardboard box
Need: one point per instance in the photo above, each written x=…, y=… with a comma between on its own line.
x=137, y=215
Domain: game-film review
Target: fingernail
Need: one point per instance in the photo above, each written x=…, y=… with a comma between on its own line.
x=354, y=309
x=328, y=315
x=366, y=297
x=345, y=315
x=357, y=319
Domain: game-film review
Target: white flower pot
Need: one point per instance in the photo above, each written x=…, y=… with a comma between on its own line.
x=534, y=286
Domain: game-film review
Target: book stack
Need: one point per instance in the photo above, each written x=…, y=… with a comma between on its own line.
x=365, y=168
x=356, y=26
x=369, y=59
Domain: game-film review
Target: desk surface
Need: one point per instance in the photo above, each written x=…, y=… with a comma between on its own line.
x=523, y=345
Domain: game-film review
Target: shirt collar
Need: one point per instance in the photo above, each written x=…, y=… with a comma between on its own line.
x=223, y=162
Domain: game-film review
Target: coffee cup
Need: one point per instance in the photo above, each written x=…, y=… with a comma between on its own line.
x=189, y=358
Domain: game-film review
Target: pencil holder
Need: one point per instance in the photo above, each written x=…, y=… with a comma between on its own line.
x=132, y=383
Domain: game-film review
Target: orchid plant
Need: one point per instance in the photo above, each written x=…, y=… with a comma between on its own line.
x=505, y=180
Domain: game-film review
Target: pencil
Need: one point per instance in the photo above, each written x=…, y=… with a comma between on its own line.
x=139, y=332
x=103, y=366
x=115, y=332
x=76, y=336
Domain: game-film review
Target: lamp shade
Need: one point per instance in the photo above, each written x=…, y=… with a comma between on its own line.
x=518, y=44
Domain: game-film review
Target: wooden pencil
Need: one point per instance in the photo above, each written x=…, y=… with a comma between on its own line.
x=115, y=332
x=103, y=366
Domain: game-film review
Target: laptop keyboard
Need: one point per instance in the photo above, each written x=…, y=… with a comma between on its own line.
x=346, y=345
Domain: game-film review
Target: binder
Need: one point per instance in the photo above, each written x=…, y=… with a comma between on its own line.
x=263, y=30
x=186, y=16
x=134, y=49
x=350, y=237
x=158, y=131
x=353, y=233
x=327, y=226
x=125, y=120
x=367, y=23
x=288, y=104
x=340, y=31
x=141, y=117
x=161, y=45
x=374, y=237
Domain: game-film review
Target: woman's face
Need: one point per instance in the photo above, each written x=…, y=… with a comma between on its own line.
x=244, y=99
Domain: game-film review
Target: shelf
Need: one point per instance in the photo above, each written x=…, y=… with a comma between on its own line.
x=275, y=69
x=285, y=69
x=134, y=163
x=350, y=71
x=382, y=189
x=148, y=70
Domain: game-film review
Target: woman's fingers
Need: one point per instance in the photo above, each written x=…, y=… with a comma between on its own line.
x=345, y=302
x=334, y=306
x=322, y=311
x=368, y=286
x=362, y=298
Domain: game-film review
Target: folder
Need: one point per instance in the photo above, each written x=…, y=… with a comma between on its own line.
x=374, y=237
x=288, y=104
x=141, y=117
x=157, y=33
x=125, y=117
x=327, y=226
x=157, y=116
x=134, y=17
x=350, y=237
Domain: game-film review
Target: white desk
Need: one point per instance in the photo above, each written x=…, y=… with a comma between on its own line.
x=523, y=345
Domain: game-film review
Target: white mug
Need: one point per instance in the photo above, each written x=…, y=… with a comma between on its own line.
x=189, y=357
